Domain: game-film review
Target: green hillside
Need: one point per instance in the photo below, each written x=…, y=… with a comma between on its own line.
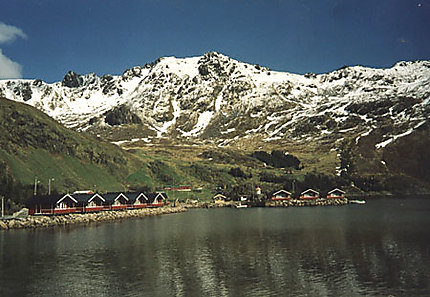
x=32, y=145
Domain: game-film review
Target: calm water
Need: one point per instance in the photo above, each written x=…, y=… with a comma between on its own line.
x=380, y=249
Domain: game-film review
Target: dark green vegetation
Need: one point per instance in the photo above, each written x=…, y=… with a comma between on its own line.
x=278, y=159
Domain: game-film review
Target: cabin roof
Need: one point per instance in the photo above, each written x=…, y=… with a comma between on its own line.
x=96, y=196
x=65, y=197
x=44, y=199
x=114, y=196
x=336, y=190
x=281, y=191
x=219, y=195
x=310, y=191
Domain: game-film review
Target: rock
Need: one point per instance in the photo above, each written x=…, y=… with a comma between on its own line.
x=22, y=214
x=72, y=80
x=3, y=225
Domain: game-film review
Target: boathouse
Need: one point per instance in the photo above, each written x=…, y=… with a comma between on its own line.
x=309, y=194
x=281, y=195
x=336, y=194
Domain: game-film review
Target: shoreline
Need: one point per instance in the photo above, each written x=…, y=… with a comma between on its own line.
x=47, y=221
x=43, y=221
x=285, y=203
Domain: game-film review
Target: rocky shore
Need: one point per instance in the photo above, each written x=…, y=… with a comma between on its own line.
x=310, y=202
x=40, y=221
x=286, y=203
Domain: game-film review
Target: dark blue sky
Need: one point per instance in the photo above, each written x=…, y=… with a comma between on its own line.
x=289, y=35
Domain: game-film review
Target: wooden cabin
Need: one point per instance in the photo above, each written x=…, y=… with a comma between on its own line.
x=52, y=204
x=309, y=194
x=116, y=200
x=138, y=200
x=66, y=204
x=281, y=195
x=157, y=199
x=93, y=202
x=336, y=194
x=219, y=198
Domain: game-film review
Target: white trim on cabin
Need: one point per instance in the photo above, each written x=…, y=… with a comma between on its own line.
x=310, y=190
x=64, y=197
x=281, y=191
x=219, y=196
x=156, y=198
x=96, y=195
x=119, y=195
x=138, y=202
x=334, y=190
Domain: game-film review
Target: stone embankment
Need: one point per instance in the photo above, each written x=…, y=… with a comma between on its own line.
x=286, y=203
x=41, y=221
x=309, y=202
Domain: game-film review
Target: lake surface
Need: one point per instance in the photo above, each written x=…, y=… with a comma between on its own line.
x=379, y=249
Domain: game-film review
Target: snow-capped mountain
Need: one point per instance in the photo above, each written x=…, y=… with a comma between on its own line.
x=216, y=98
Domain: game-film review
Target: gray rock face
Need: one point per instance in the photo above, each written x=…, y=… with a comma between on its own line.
x=72, y=80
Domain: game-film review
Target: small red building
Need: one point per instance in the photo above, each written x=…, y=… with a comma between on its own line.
x=138, y=200
x=336, y=194
x=219, y=198
x=92, y=202
x=281, y=195
x=309, y=194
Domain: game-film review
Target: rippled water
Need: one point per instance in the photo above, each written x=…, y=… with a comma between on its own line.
x=379, y=249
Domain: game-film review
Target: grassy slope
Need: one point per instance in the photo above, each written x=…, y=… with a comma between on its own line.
x=33, y=144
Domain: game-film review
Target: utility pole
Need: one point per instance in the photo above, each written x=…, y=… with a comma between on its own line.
x=49, y=185
x=294, y=187
x=2, y=206
x=35, y=186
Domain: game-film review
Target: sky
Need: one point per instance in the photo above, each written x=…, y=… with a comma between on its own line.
x=46, y=38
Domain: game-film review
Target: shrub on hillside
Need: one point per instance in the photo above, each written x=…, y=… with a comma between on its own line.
x=277, y=159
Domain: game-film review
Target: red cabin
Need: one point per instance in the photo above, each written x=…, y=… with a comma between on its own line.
x=309, y=194
x=281, y=195
x=336, y=194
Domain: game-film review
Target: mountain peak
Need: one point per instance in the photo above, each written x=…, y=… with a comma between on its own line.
x=214, y=97
x=72, y=80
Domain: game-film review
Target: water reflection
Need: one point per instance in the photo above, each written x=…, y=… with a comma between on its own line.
x=378, y=250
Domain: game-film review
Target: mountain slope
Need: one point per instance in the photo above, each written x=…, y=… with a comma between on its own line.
x=34, y=145
x=218, y=99
x=356, y=123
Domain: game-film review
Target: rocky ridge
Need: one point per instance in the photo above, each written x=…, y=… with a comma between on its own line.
x=216, y=99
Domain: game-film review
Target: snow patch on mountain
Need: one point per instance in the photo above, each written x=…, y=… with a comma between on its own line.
x=216, y=98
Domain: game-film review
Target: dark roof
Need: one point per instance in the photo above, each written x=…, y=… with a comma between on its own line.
x=82, y=197
x=132, y=196
x=110, y=197
x=44, y=199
